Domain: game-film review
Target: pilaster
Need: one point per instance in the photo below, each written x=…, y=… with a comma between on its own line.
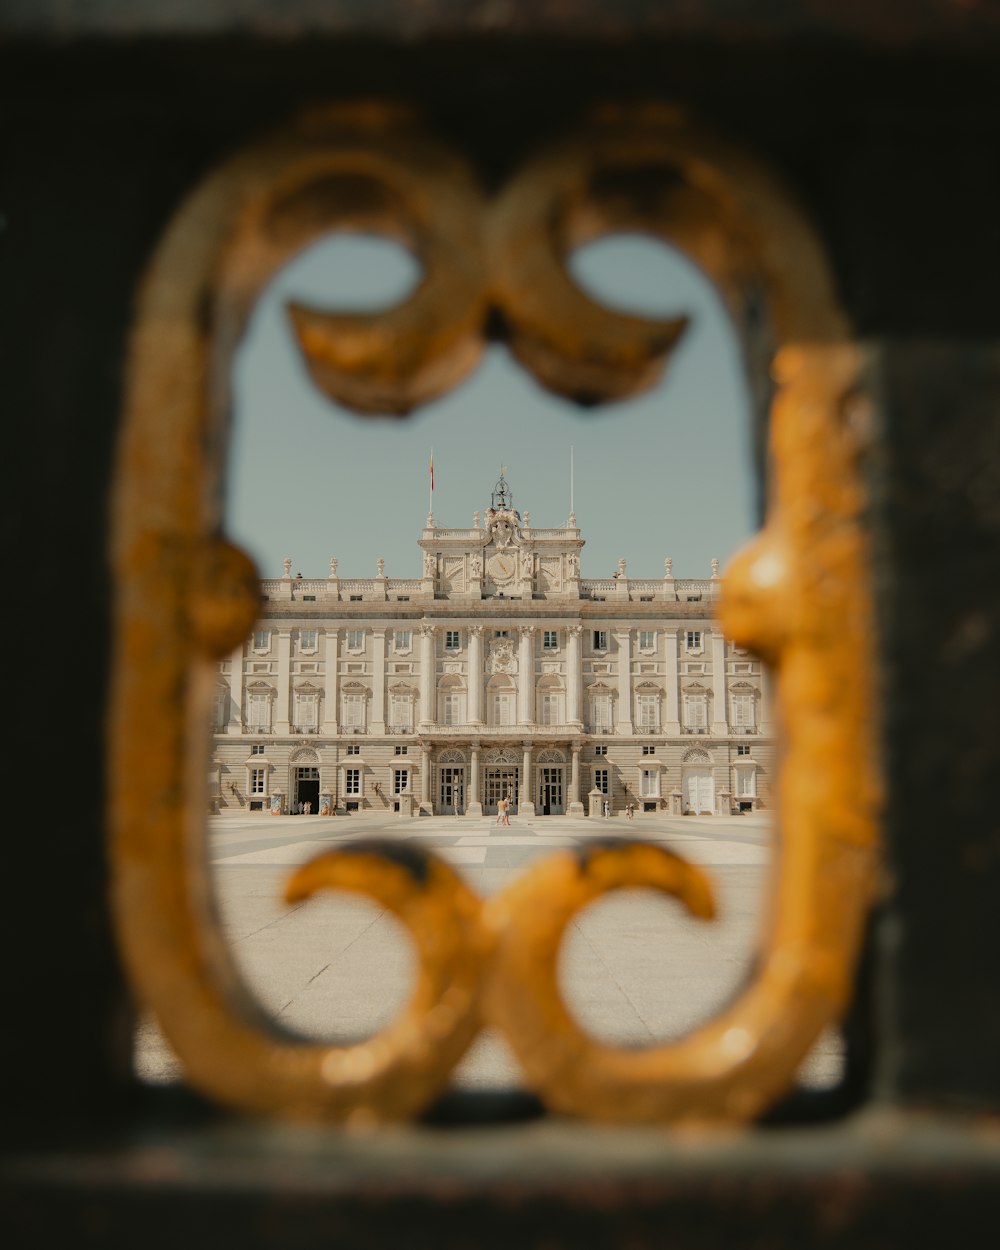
x=525, y=802
x=331, y=692
x=475, y=676
x=574, y=676
x=281, y=722
x=672, y=724
x=474, y=806
x=234, y=721
x=575, y=806
x=720, y=714
x=623, y=725
x=378, y=681
x=428, y=662
x=526, y=676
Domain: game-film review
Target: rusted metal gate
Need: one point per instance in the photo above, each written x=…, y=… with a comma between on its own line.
x=881, y=127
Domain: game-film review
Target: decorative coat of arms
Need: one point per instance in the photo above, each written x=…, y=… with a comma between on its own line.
x=502, y=656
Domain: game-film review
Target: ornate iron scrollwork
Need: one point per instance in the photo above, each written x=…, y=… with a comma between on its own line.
x=797, y=595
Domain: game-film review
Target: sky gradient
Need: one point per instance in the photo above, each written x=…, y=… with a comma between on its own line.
x=664, y=474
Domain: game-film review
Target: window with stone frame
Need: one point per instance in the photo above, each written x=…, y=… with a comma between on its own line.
x=452, y=640
x=600, y=712
x=602, y=780
x=400, y=778
x=260, y=711
x=258, y=780
x=402, y=640
x=600, y=639
x=742, y=711
x=550, y=707
x=306, y=709
x=696, y=712
x=647, y=639
x=262, y=640
x=307, y=640
x=352, y=781
x=648, y=709
x=220, y=709
x=453, y=707
x=355, y=640
x=649, y=783
x=503, y=707
x=693, y=640
x=550, y=640
x=401, y=711
x=353, y=710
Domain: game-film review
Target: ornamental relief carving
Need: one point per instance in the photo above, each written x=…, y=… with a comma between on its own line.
x=501, y=657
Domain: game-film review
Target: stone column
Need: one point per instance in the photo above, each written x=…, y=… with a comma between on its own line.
x=672, y=681
x=475, y=674
x=281, y=724
x=234, y=721
x=720, y=713
x=473, y=806
x=427, y=676
x=623, y=725
x=425, y=781
x=331, y=683
x=575, y=806
x=525, y=800
x=574, y=676
x=526, y=677
x=377, y=725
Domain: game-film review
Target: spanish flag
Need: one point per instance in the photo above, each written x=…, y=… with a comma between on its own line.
x=432, y=470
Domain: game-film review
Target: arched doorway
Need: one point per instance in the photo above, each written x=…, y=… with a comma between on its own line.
x=451, y=783
x=698, y=784
x=501, y=777
x=551, y=783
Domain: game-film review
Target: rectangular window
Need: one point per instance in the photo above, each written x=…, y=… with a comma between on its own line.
x=649, y=711
x=452, y=640
x=354, y=711
x=451, y=706
x=353, y=749
x=746, y=783
x=258, y=780
x=600, y=640
x=692, y=640
x=260, y=712
x=645, y=598
x=601, y=750
x=550, y=709
x=649, y=783
x=402, y=711
x=220, y=710
x=601, y=780
x=649, y=750
x=400, y=776
x=356, y=598
x=503, y=709
x=305, y=711
x=403, y=639
x=696, y=711
x=501, y=633
x=257, y=748
x=550, y=640
x=647, y=639
x=742, y=749
x=742, y=712
x=355, y=639
x=262, y=640
x=307, y=639
x=352, y=781
x=400, y=750
x=600, y=712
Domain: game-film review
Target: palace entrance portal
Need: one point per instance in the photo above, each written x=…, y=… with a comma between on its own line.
x=451, y=789
x=501, y=782
x=550, y=790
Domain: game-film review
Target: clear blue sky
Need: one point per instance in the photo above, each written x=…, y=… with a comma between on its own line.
x=665, y=474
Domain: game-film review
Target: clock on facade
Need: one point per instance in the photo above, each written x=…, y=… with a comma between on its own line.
x=501, y=567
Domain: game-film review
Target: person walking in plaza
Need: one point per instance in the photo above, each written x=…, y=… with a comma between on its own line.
x=501, y=810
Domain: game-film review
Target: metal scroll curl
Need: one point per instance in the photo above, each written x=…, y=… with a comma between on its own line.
x=797, y=595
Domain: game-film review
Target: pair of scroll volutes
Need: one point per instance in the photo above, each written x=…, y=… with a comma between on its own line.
x=797, y=595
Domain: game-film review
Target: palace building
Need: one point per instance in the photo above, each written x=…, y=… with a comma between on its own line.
x=500, y=672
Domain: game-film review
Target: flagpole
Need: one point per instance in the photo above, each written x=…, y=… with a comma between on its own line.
x=430, y=492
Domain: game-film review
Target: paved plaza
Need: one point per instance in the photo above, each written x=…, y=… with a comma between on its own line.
x=635, y=967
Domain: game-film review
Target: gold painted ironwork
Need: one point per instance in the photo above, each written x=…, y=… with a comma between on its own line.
x=797, y=595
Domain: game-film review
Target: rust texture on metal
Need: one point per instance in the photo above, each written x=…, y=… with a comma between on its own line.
x=797, y=595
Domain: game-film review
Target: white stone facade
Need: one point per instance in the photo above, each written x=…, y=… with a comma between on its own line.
x=498, y=672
